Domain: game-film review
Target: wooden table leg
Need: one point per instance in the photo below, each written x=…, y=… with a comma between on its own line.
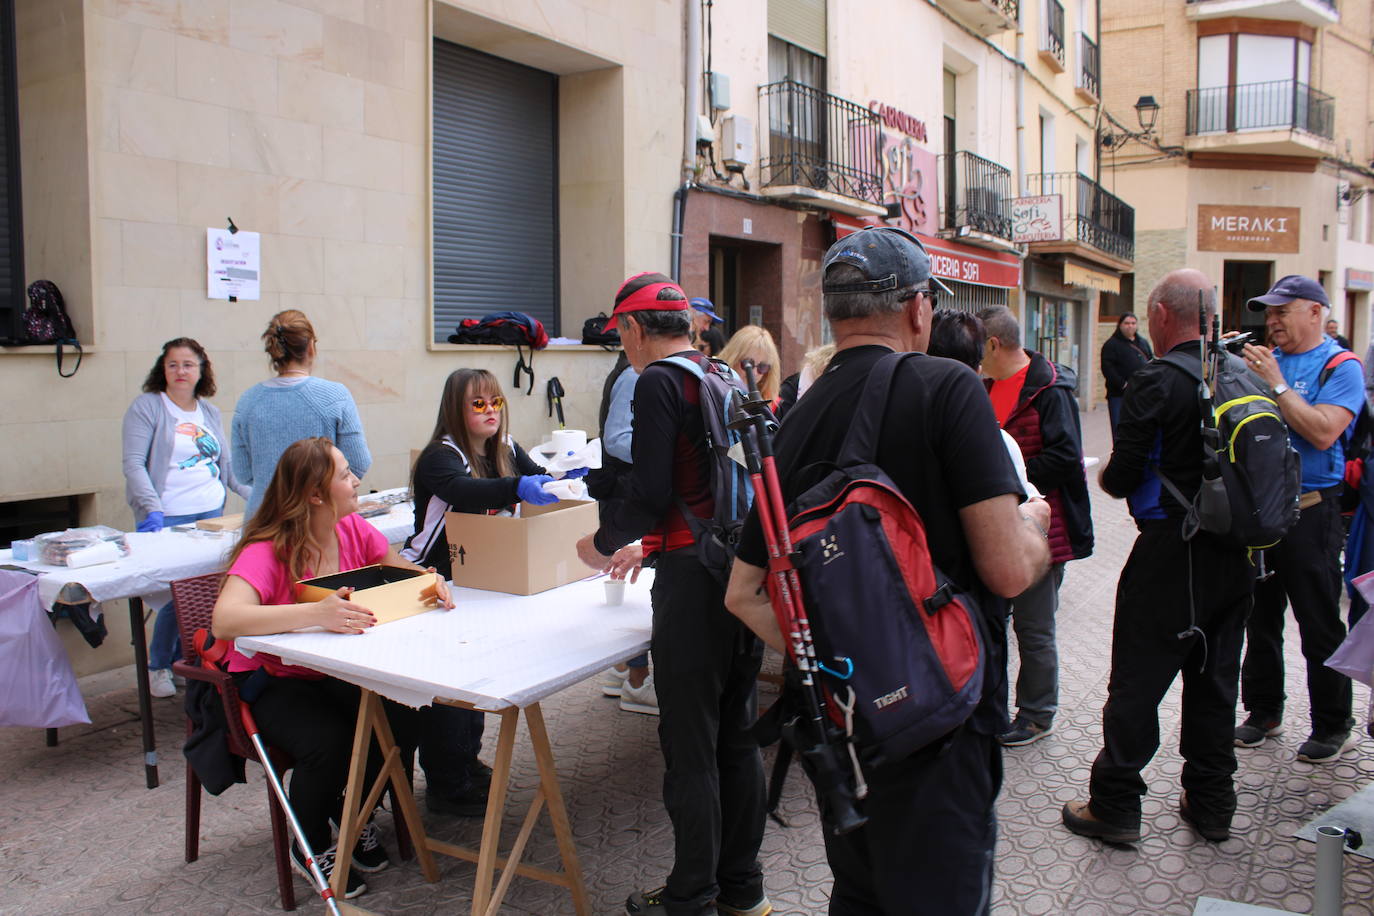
x=562, y=827
x=145, y=699
x=496, y=806
x=360, y=800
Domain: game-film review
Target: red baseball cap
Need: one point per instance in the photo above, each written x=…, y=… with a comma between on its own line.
x=647, y=292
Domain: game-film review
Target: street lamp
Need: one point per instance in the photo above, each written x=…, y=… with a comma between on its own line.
x=1146, y=111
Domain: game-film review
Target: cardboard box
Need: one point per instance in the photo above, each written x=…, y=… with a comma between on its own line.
x=223, y=523
x=520, y=556
x=389, y=592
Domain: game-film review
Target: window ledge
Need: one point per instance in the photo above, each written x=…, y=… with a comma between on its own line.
x=44, y=350
x=488, y=348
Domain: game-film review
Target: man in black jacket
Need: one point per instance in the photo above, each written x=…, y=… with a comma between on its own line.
x=1123, y=353
x=1180, y=604
x=705, y=661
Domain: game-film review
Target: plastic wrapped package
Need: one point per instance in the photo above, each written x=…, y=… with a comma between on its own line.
x=80, y=546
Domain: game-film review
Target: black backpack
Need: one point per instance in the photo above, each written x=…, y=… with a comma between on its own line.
x=46, y=321
x=897, y=641
x=594, y=332
x=717, y=538
x=1251, y=475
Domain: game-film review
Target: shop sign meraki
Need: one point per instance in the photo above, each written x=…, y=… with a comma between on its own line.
x=1270, y=230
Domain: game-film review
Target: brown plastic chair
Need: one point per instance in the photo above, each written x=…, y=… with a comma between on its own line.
x=195, y=604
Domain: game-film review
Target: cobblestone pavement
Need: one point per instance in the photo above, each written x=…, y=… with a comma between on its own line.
x=80, y=833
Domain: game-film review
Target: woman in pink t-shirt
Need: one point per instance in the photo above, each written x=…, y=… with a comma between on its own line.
x=308, y=526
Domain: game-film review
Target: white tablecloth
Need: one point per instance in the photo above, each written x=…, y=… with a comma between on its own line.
x=492, y=650
x=157, y=559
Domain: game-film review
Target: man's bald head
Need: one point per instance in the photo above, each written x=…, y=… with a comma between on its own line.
x=1178, y=293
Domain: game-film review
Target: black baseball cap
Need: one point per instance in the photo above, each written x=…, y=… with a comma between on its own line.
x=1293, y=286
x=890, y=258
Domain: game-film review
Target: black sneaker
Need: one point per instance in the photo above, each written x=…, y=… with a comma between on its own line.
x=470, y=803
x=325, y=860
x=369, y=854
x=1324, y=747
x=646, y=903
x=1255, y=728
x=1023, y=731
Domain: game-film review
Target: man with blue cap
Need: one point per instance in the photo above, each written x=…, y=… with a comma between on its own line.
x=704, y=315
x=1319, y=387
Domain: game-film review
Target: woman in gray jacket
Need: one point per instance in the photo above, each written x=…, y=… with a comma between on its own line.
x=176, y=468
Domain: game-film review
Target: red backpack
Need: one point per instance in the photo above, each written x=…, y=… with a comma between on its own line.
x=896, y=639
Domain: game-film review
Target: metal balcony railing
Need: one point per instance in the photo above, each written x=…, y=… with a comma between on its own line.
x=1092, y=215
x=820, y=141
x=1010, y=8
x=1089, y=66
x=1258, y=106
x=978, y=194
x=1052, y=32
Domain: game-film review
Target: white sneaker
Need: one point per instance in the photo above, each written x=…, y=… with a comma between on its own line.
x=612, y=679
x=160, y=683
x=642, y=699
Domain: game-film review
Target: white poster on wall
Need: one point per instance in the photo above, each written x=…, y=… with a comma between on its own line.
x=233, y=263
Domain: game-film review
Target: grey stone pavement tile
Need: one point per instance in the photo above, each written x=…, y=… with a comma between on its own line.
x=79, y=833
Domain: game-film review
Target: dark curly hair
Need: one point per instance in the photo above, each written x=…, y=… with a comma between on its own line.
x=157, y=376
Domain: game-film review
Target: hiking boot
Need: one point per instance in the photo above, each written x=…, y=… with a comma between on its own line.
x=1255, y=728
x=1023, y=731
x=325, y=861
x=1080, y=820
x=1324, y=747
x=612, y=679
x=1209, y=829
x=643, y=699
x=160, y=683
x=763, y=907
x=471, y=802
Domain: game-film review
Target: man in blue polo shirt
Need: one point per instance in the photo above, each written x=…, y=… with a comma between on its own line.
x=1307, y=562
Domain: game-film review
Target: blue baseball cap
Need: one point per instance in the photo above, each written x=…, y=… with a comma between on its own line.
x=888, y=257
x=702, y=304
x=1293, y=286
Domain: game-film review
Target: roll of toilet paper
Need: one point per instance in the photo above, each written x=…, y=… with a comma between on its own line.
x=567, y=440
x=99, y=552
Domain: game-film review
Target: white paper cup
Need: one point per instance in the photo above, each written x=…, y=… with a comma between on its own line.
x=615, y=592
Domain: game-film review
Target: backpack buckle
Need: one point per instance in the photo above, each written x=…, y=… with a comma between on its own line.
x=941, y=596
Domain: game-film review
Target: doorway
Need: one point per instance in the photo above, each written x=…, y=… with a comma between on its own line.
x=1242, y=281
x=1047, y=328
x=745, y=278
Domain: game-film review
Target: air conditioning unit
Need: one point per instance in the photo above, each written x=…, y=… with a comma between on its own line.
x=737, y=142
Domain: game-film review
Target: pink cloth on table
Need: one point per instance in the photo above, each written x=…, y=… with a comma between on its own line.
x=360, y=544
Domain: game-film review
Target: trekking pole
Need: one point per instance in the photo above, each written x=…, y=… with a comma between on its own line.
x=829, y=775
x=209, y=652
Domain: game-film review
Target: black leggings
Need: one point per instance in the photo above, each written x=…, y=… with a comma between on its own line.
x=313, y=721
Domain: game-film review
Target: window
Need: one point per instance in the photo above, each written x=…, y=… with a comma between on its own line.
x=11, y=215
x=1252, y=82
x=1083, y=156
x=495, y=189
x=1046, y=144
x=787, y=61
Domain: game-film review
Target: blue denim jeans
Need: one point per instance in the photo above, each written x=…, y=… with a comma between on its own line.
x=165, y=647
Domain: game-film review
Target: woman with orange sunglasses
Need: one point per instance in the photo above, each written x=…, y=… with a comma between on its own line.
x=471, y=464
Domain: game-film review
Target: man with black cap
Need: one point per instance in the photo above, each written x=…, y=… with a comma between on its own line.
x=705, y=661
x=928, y=844
x=1319, y=390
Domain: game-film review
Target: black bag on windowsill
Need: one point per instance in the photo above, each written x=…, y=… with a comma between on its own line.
x=46, y=321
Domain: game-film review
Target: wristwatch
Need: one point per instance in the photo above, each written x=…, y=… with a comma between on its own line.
x=1279, y=389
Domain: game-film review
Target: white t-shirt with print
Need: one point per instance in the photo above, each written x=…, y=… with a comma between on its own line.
x=193, y=485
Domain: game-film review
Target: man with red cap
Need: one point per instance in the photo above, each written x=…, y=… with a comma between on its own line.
x=705, y=660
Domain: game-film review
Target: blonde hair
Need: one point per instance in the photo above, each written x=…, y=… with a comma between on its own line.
x=754, y=342
x=288, y=338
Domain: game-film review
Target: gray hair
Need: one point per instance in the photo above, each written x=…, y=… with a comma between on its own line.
x=1179, y=293
x=1000, y=322
x=844, y=306
x=662, y=322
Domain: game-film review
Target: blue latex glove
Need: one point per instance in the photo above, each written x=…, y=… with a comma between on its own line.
x=576, y=473
x=151, y=522
x=531, y=490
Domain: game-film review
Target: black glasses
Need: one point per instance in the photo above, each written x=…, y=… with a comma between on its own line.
x=930, y=293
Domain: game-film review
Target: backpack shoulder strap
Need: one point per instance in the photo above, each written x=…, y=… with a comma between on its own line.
x=1342, y=356
x=861, y=444
x=684, y=363
x=1184, y=364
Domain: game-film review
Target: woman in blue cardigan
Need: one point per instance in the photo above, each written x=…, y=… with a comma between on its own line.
x=294, y=405
x=176, y=468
